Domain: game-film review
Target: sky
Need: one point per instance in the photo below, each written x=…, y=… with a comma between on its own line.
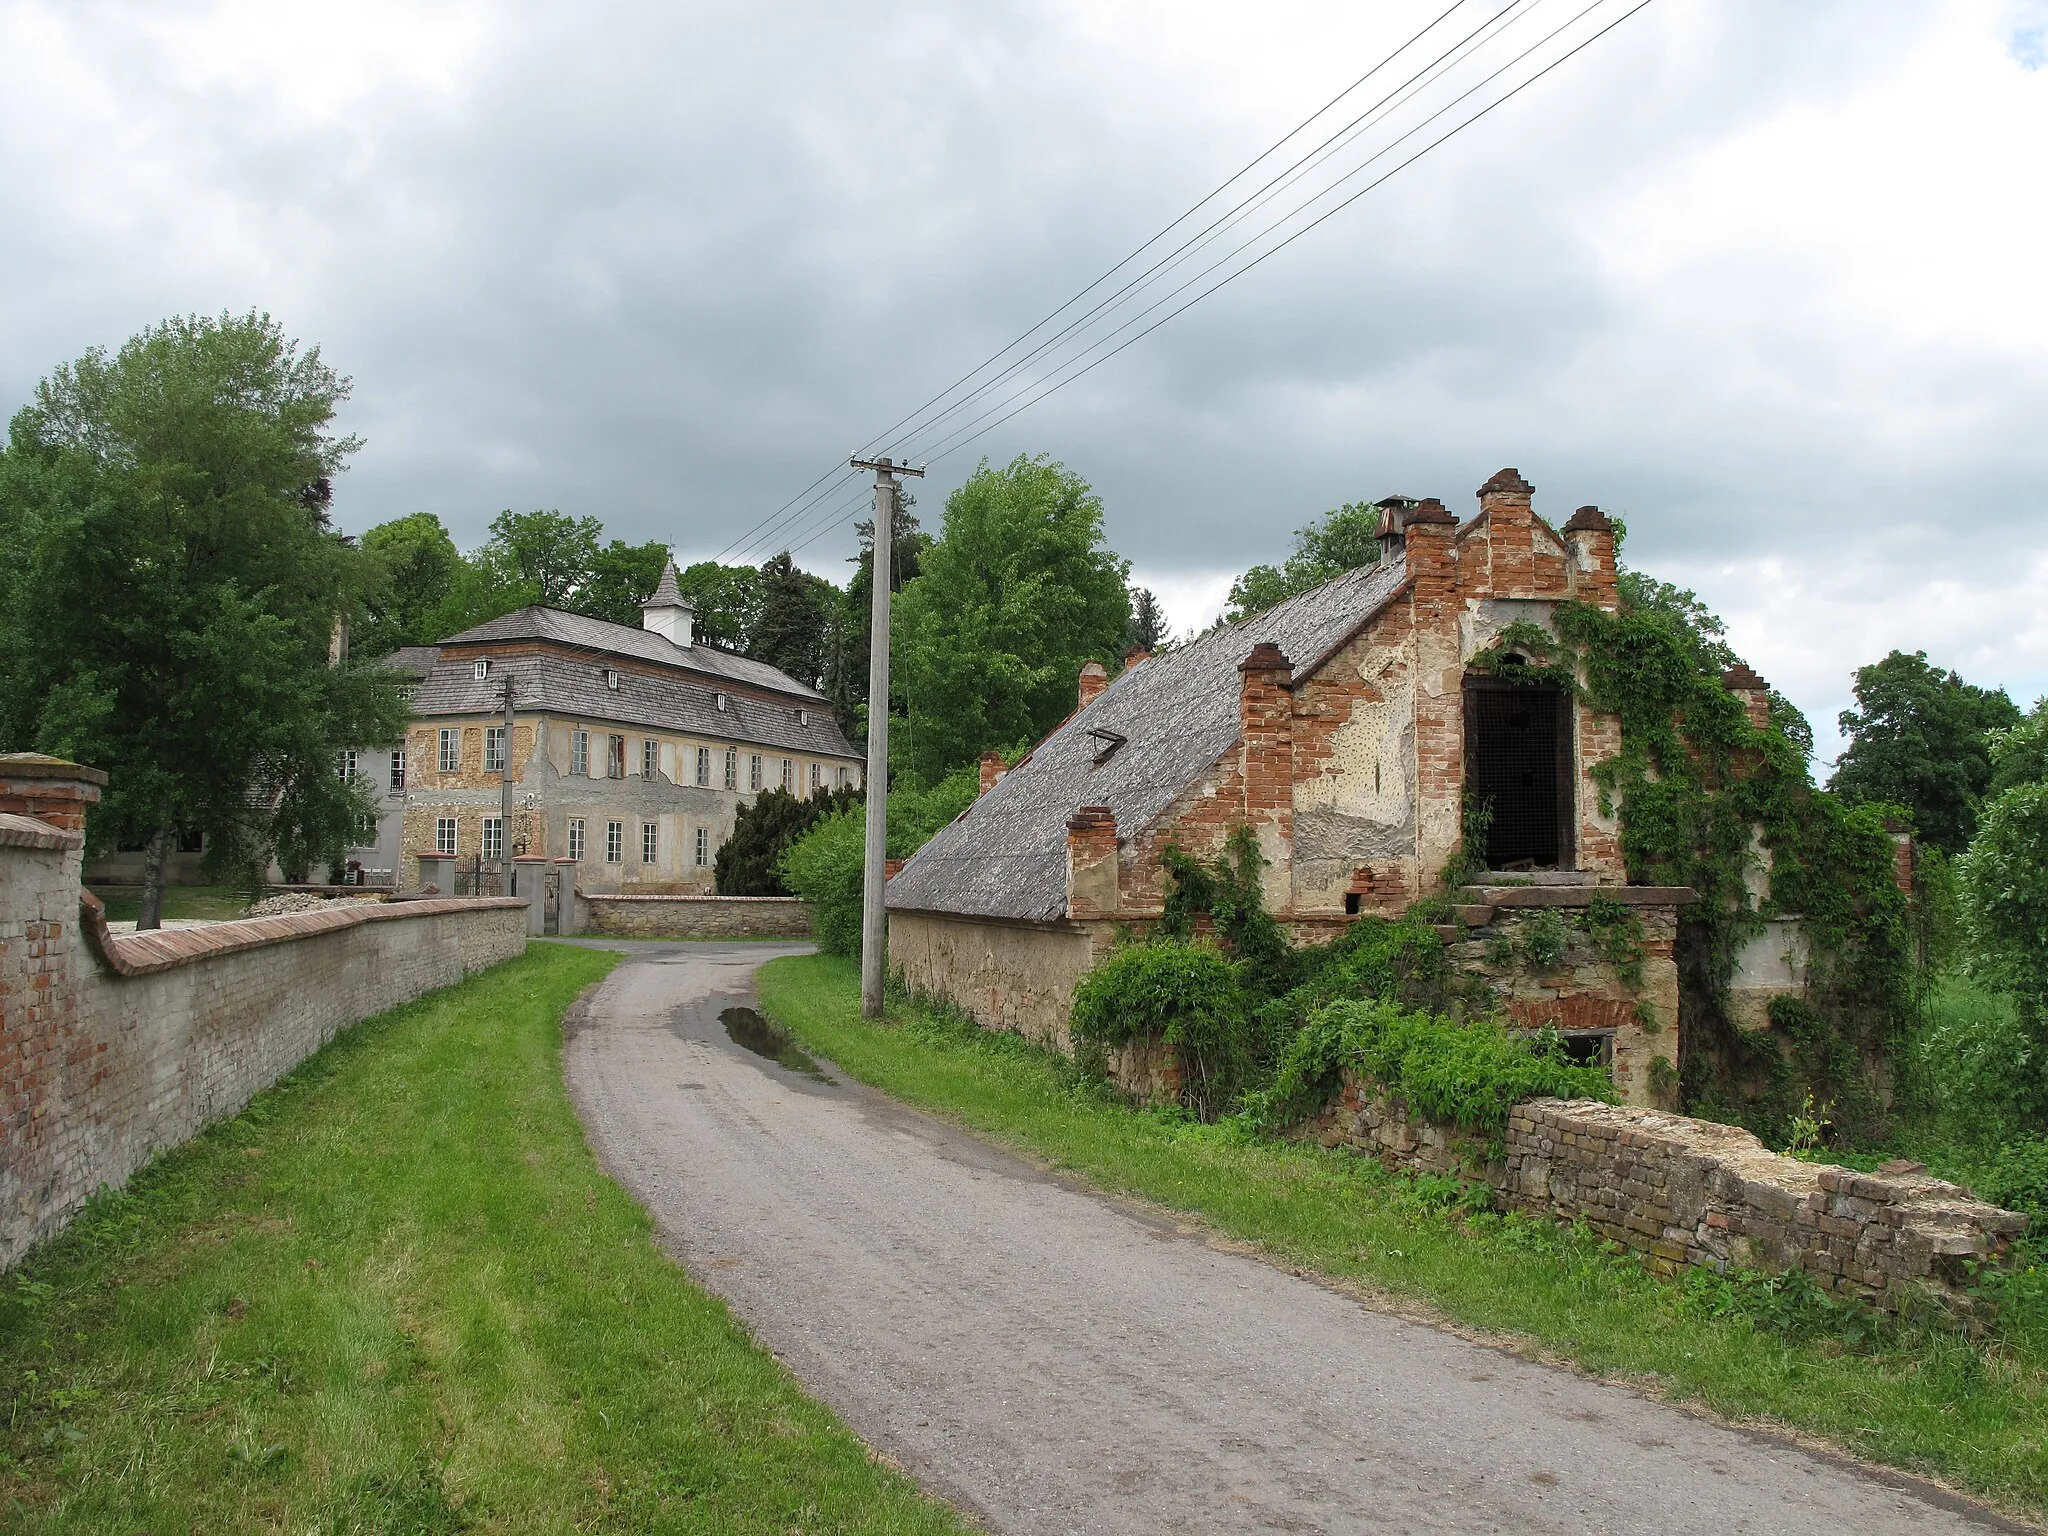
x=1764, y=280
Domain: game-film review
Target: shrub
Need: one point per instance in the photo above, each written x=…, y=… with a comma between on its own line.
x=2017, y=1179
x=1976, y=1063
x=1184, y=994
x=1465, y=1074
x=825, y=865
x=749, y=860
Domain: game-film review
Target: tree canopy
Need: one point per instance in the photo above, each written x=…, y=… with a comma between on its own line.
x=1920, y=738
x=1342, y=539
x=175, y=586
x=1014, y=595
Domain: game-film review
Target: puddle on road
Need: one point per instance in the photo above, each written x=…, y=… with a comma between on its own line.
x=748, y=1028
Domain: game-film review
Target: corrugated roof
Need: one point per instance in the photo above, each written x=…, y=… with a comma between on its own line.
x=1007, y=857
x=538, y=623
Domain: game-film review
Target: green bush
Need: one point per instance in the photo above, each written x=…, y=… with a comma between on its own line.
x=824, y=866
x=1187, y=995
x=749, y=860
x=2017, y=1179
x=1466, y=1074
x=1975, y=1062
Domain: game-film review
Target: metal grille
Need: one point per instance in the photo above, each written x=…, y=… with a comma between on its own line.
x=1511, y=752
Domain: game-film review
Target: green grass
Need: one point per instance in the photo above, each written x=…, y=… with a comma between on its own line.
x=1973, y=1414
x=397, y=1295
x=124, y=902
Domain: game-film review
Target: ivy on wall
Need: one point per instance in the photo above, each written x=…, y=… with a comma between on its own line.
x=1705, y=799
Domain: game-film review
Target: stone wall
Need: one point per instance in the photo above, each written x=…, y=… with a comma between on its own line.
x=1685, y=1192
x=1016, y=976
x=696, y=917
x=116, y=1047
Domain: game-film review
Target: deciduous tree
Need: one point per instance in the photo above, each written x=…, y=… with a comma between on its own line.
x=1919, y=737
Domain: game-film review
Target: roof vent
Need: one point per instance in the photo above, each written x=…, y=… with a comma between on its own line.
x=803, y=717
x=611, y=678
x=483, y=666
x=720, y=701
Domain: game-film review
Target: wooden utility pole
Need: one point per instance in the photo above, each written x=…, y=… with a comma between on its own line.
x=874, y=918
x=505, y=802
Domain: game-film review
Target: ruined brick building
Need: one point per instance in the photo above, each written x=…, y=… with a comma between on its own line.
x=1346, y=728
x=631, y=750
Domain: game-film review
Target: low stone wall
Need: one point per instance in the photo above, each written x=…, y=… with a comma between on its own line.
x=696, y=917
x=116, y=1047
x=1014, y=976
x=1685, y=1192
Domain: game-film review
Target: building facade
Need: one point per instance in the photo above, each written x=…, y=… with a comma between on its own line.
x=630, y=750
x=1348, y=730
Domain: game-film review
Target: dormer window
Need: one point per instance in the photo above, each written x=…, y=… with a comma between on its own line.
x=483, y=667
x=720, y=702
x=611, y=678
x=803, y=717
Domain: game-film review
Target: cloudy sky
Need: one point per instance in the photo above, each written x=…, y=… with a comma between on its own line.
x=1767, y=279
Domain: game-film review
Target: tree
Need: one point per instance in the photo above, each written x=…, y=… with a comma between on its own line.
x=622, y=577
x=1344, y=539
x=2003, y=882
x=416, y=564
x=794, y=628
x=165, y=512
x=749, y=860
x=1147, y=630
x=846, y=647
x=545, y=554
x=1920, y=738
x=2020, y=755
x=1017, y=592
x=727, y=599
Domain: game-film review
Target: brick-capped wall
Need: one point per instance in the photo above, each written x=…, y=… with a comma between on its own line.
x=1684, y=1192
x=697, y=917
x=114, y=1048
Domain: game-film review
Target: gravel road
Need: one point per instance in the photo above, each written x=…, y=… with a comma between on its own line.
x=1051, y=1361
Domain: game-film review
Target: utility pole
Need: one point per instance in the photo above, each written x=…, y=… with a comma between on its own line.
x=505, y=802
x=874, y=920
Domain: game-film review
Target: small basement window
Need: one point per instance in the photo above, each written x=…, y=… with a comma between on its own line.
x=1590, y=1047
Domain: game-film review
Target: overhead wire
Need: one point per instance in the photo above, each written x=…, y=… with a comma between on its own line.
x=796, y=519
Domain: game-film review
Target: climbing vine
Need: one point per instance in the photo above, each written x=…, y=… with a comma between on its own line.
x=1707, y=800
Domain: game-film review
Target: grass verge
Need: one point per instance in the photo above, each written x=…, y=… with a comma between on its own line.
x=1970, y=1414
x=397, y=1295
x=216, y=903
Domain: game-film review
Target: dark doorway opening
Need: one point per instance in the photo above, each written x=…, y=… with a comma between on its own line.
x=1517, y=765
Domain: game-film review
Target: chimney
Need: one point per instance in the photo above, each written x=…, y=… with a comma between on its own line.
x=1904, y=856
x=1094, y=678
x=1427, y=529
x=1590, y=537
x=1508, y=495
x=1752, y=690
x=1394, y=512
x=1092, y=888
x=1265, y=705
x=992, y=770
x=337, y=641
x=1134, y=655
x=668, y=613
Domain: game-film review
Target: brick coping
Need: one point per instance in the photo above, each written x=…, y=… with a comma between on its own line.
x=28, y=832
x=163, y=949
x=38, y=765
x=792, y=901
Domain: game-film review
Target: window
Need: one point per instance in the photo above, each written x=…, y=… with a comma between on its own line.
x=650, y=758
x=494, y=837
x=845, y=777
x=719, y=702
x=190, y=841
x=753, y=770
x=732, y=768
x=611, y=678
x=350, y=766
x=817, y=777
x=579, y=753
x=615, y=842
x=1518, y=749
x=444, y=835
x=703, y=846
x=650, y=842
x=704, y=766
x=494, y=749
x=788, y=774
x=397, y=769
x=803, y=717
x=576, y=838
x=483, y=666
x=451, y=749
x=615, y=758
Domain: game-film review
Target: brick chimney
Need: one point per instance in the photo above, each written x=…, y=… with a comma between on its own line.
x=1092, y=875
x=1427, y=529
x=1094, y=678
x=1590, y=537
x=1507, y=495
x=1134, y=655
x=1265, y=704
x=1394, y=512
x=1754, y=692
x=992, y=769
x=51, y=790
x=1905, y=855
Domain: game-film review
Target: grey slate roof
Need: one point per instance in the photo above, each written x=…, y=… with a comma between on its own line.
x=537, y=623
x=682, y=698
x=667, y=593
x=1007, y=856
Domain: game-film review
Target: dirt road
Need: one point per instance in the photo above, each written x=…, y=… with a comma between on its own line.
x=1051, y=1361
